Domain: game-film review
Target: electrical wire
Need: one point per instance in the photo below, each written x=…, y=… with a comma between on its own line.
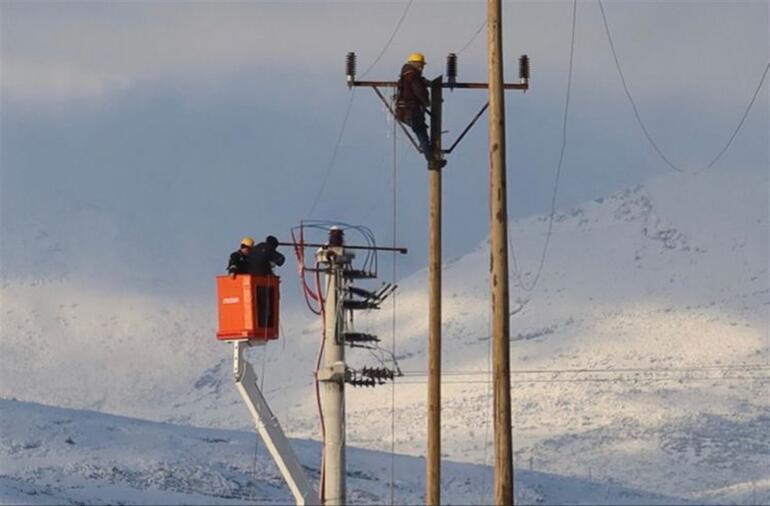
x=318, y=295
x=307, y=292
x=390, y=40
x=473, y=38
x=641, y=123
x=393, y=319
x=341, y=133
x=488, y=393
x=518, y=279
x=598, y=380
x=702, y=367
x=336, y=149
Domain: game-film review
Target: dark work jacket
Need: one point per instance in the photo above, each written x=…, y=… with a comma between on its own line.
x=262, y=258
x=238, y=264
x=413, y=95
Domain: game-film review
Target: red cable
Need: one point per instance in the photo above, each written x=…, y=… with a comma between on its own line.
x=299, y=252
x=322, y=491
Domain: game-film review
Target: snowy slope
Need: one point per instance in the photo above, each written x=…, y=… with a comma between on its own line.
x=62, y=456
x=660, y=292
x=641, y=359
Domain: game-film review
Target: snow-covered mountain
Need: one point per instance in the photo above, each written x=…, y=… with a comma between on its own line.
x=52, y=455
x=641, y=359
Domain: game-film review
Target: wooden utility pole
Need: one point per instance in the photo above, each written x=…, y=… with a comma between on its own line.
x=433, y=457
x=498, y=203
x=433, y=453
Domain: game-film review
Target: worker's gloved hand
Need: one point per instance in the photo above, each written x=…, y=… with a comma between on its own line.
x=232, y=275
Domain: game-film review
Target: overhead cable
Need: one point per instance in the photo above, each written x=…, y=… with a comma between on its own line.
x=638, y=117
x=473, y=38
x=334, y=153
x=341, y=133
x=527, y=287
x=394, y=274
x=390, y=40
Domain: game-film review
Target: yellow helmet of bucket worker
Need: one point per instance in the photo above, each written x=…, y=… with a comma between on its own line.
x=247, y=241
x=417, y=58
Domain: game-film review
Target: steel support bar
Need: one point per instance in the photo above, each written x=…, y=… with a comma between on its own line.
x=393, y=113
x=270, y=429
x=484, y=86
x=403, y=251
x=467, y=129
x=466, y=86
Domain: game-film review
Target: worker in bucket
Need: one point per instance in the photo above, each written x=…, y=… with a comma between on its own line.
x=261, y=260
x=412, y=99
x=264, y=256
x=239, y=259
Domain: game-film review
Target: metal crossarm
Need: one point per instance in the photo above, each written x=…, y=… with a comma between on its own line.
x=467, y=86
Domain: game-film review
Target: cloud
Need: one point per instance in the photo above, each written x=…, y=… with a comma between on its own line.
x=182, y=121
x=30, y=81
x=54, y=51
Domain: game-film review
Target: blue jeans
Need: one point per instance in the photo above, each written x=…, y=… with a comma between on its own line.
x=416, y=122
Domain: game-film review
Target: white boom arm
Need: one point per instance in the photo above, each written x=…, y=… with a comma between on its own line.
x=270, y=430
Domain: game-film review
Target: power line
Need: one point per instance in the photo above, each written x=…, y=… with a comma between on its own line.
x=599, y=380
x=644, y=127
x=708, y=373
x=394, y=274
x=527, y=287
x=350, y=105
x=390, y=40
x=743, y=119
x=747, y=367
x=473, y=38
x=702, y=367
x=488, y=394
x=334, y=153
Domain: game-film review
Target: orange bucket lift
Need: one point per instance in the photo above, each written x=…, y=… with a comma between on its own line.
x=249, y=307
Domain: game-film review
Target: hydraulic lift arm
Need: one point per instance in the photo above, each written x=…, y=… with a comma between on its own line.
x=270, y=429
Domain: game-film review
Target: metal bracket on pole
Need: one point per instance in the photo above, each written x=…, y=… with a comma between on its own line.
x=467, y=129
x=270, y=429
x=334, y=373
x=392, y=113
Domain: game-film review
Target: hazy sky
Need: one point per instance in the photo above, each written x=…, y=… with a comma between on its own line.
x=140, y=140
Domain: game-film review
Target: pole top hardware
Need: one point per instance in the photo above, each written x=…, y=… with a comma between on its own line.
x=451, y=83
x=400, y=250
x=451, y=70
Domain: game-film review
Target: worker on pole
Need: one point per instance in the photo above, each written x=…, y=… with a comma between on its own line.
x=412, y=100
x=238, y=263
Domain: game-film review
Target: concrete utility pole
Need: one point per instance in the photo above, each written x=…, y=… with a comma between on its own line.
x=336, y=262
x=333, y=375
x=498, y=208
x=433, y=452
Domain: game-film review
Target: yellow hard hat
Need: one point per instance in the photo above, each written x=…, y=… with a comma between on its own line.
x=417, y=57
x=247, y=241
